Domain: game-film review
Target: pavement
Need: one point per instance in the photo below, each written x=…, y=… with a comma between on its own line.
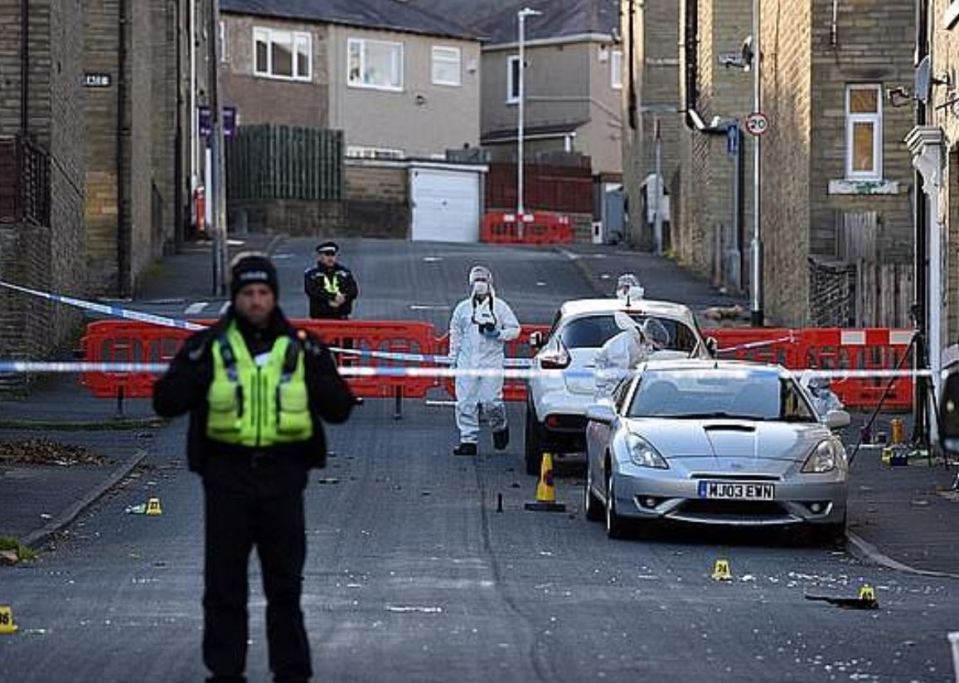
x=411, y=564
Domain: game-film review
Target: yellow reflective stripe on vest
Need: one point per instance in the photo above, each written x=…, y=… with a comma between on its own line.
x=331, y=284
x=261, y=406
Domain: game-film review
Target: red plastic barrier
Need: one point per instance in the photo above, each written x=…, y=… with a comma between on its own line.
x=134, y=342
x=122, y=341
x=832, y=349
x=865, y=349
x=827, y=349
x=501, y=227
x=513, y=389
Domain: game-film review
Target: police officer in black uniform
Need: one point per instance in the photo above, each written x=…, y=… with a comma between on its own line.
x=257, y=391
x=329, y=285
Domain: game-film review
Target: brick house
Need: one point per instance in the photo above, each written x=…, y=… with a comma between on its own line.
x=842, y=175
x=650, y=97
x=131, y=115
x=934, y=145
x=712, y=209
x=41, y=173
x=836, y=217
x=397, y=80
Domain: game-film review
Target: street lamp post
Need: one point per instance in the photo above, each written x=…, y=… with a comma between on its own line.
x=520, y=128
x=756, y=282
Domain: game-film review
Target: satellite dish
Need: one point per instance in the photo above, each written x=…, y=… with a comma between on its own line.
x=923, y=87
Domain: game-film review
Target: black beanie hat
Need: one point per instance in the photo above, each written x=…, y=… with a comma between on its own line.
x=252, y=267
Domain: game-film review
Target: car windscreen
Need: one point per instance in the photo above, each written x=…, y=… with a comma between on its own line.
x=716, y=393
x=595, y=330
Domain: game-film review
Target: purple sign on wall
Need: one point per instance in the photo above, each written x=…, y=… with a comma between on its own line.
x=206, y=121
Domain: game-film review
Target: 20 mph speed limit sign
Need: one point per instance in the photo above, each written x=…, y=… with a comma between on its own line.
x=757, y=123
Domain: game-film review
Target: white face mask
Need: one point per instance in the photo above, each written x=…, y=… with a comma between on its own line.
x=480, y=288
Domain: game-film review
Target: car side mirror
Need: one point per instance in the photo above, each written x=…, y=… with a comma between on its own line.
x=601, y=412
x=536, y=340
x=837, y=419
x=712, y=346
x=949, y=413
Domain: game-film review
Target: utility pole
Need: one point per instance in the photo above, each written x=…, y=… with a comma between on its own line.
x=520, y=127
x=218, y=174
x=756, y=279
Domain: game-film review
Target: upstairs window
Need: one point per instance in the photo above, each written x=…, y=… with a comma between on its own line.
x=447, y=67
x=374, y=64
x=864, y=132
x=512, y=79
x=282, y=54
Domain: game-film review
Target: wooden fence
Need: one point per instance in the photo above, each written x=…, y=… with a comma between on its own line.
x=547, y=188
x=283, y=162
x=860, y=294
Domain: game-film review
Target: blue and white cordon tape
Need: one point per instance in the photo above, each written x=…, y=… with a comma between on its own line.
x=514, y=368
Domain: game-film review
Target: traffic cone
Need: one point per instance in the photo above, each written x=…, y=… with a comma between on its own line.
x=153, y=507
x=6, y=620
x=545, y=491
x=721, y=571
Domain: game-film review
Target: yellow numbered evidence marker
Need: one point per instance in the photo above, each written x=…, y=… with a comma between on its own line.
x=6, y=620
x=721, y=571
x=153, y=507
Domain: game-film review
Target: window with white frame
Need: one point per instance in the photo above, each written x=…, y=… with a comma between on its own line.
x=512, y=79
x=864, y=132
x=282, y=54
x=374, y=64
x=447, y=65
x=363, y=152
x=616, y=69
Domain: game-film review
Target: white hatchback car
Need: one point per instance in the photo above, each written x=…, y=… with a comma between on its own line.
x=556, y=406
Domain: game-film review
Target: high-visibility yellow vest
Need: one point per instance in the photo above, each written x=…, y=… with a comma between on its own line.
x=256, y=406
x=331, y=284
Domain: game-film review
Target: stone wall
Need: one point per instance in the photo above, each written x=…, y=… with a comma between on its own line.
x=45, y=257
x=707, y=200
x=375, y=204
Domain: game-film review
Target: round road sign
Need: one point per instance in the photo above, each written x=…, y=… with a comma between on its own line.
x=757, y=123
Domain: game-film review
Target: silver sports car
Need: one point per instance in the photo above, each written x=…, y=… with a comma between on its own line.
x=714, y=442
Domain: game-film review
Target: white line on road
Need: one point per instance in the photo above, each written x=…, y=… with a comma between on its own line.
x=195, y=308
x=429, y=307
x=432, y=259
x=224, y=308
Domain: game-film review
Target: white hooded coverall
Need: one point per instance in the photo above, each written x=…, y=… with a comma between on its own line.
x=470, y=349
x=626, y=351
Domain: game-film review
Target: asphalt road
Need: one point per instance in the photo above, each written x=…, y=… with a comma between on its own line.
x=413, y=574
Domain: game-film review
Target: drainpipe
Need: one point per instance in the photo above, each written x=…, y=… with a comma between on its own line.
x=24, y=66
x=632, y=68
x=178, y=205
x=123, y=224
x=921, y=257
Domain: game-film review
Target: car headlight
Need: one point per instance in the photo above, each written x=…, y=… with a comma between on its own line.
x=824, y=458
x=642, y=453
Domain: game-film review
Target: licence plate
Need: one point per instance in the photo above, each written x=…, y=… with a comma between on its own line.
x=736, y=490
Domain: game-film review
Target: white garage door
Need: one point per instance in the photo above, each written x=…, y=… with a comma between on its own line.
x=446, y=205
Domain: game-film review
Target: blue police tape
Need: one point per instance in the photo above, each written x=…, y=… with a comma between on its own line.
x=421, y=358
x=506, y=373
x=165, y=321
x=113, y=311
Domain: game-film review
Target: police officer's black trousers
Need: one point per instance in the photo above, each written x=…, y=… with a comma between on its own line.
x=235, y=522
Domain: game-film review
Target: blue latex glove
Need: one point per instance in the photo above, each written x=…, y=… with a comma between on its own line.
x=492, y=335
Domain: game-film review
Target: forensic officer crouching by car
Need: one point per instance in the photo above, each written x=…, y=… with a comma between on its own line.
x=257, y=391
